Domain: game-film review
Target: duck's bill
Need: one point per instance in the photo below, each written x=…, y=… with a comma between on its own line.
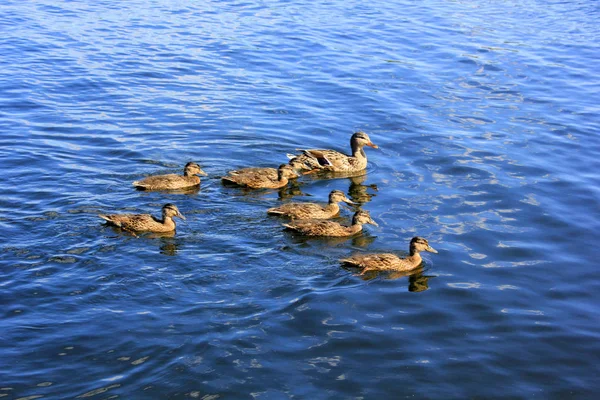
x=202, y=173
x=180, y=215
x=373, y=145
x=431, y=249
x=348, y=201
x=373, y=223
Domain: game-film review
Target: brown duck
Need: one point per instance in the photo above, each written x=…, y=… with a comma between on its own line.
x=297, y=210
x=320, y=227
x=173, y=181
x=261, y=178
x=391, y=262
x=145, y=222
x=331, y=160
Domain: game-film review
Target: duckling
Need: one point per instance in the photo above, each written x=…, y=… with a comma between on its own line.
x=319, y=227
x=298, y=164
x=331, y=160
x=146, y=222
x=312, y=210
x=172, y=181
x=391, y=262
x=261, y=178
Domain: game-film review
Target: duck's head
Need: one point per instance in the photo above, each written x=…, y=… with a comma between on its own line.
x=362, y=139
x=363, y=217
x=192, y=168
x=337, y=195
x=286, y=171
x=418, y=244
x=171, y=210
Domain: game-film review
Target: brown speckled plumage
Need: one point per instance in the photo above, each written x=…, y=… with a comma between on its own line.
x=172, y=181
x=331, y=160
x=391, y=262
x=295, y=210
x=145, y=222
x=261, y=178
x=320, y=227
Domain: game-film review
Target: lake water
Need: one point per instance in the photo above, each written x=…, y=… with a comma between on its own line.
x=487, y=118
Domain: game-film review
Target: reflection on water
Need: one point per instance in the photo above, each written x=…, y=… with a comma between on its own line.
x=358, y=190
x=169, y=248
x=148, y=235
x=188, y=191
x=290, y=191
x=417, y=281
x=362, y=239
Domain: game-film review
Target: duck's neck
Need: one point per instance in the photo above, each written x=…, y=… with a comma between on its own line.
x=357, y=150
x=168, y=221
x=414, y=256
x=332, y=207
x=355, y=228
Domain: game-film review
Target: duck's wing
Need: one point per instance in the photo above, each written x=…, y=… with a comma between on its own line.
x=313, y=158
x=323, y=157
x=129, y=221
x=299, y=210
x=381, y=261
x=253, y=177
x=170, y=181
x=315, y=227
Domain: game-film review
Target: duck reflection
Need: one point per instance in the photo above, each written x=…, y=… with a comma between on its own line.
x=292, y=190
x=188, y=191
x=169, y=247
x=358, y=190
x=360, y=240
x=417, y=280
x=149, y=235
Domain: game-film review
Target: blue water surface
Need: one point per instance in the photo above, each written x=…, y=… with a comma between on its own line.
x=487, y=118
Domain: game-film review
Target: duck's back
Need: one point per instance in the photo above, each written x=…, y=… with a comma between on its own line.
x=304, y=211
x=254, y=177
x=381, y=261
x=139, y=222
x=319, y=227
x=167, y=182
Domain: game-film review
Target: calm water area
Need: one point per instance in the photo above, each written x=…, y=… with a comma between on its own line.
x=486, y=114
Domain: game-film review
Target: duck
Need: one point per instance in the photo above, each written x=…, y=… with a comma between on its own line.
x=261, y=178
x=389, y=261
x=173, y=181
x=314, y=160
x=320, y=227
x=145, y=222
x=295, y=210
